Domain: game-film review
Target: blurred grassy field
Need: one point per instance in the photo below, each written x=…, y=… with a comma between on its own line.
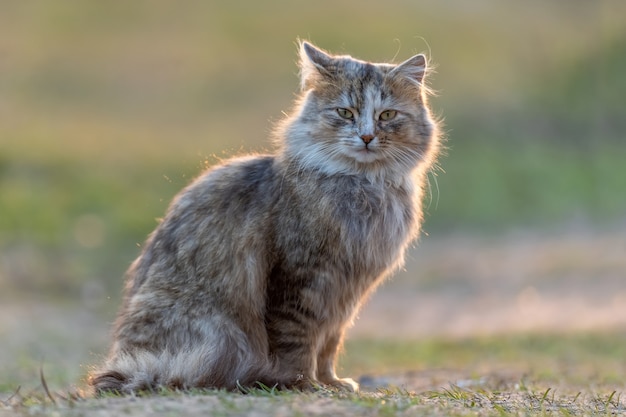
x=107, y=109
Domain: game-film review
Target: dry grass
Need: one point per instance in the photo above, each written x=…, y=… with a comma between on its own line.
x=488, y=395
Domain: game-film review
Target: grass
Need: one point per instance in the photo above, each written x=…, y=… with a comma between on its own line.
x=575, y=359
x=490, y=399
x=481, y=400
x=538, y=375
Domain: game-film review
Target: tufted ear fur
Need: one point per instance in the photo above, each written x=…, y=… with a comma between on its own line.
x=314, y=65
x=413, y=69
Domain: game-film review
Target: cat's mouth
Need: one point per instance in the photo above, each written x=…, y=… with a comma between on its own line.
x=366, y=153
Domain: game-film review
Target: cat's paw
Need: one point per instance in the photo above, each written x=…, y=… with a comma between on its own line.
x=112, y=382
x=344, y=384
x=304, y=385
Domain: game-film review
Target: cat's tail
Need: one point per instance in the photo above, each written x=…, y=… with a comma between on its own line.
x=225, y=363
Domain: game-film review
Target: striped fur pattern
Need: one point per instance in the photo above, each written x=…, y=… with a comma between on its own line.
x=261, y=263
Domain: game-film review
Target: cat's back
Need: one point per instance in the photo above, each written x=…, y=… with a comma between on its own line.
x=208, y=220
x=223, y=199
x=234, y=185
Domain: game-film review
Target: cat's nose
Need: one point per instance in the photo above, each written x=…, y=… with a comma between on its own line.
x=367, y=138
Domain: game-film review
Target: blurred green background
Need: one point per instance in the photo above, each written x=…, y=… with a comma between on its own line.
x=108, y=108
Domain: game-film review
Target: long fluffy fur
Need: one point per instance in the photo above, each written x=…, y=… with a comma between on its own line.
x=262, y=262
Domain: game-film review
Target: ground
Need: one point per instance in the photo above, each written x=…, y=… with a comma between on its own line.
x=527, y=323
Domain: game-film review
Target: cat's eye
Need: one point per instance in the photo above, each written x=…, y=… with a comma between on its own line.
x=345, y=113
x=387, y=115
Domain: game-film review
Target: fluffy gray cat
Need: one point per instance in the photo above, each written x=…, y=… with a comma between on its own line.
x=261, y=264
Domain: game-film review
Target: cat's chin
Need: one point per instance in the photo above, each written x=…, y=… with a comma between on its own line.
x=365, y=156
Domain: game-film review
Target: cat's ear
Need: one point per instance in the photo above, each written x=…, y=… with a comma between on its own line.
x=314, y=64
x=413, y=68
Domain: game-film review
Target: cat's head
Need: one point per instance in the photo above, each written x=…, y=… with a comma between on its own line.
x=357, y=117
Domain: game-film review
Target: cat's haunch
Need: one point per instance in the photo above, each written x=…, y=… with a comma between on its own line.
x=262, y=262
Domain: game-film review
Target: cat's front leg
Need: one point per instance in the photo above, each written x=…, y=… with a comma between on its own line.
x=326, y=364
x=291, y=350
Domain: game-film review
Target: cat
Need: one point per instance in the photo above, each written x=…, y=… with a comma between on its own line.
x=261, y=264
